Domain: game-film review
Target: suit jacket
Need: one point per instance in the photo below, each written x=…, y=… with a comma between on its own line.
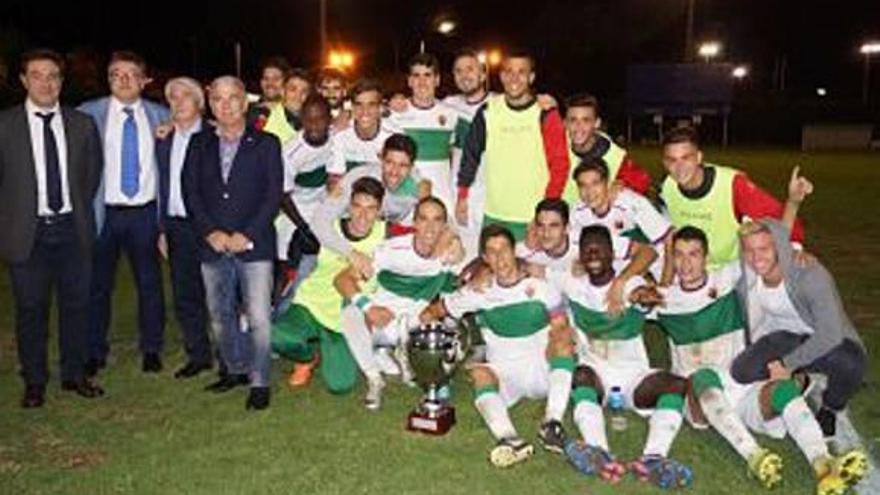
x=18, y=180
x=97, y=109
x=163, y=162
x=248, y=202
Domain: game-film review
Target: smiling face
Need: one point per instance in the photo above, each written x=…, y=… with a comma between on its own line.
x=183, y=103
x=552, y=231
x=429, y=223
x=689, y=261
x=396, y=167
x=272, y=84
x=499, y=254
x=469, y=75
x=42, y=80
x=423, y=81
x=596, y=255
x=683, y=162
x=363, y=210
x=759, y=251
x=581, y=124
x=333, y=90
x=315, y=124
x=296, y=90
x=593, y=190
x=517, y=76
x=366, y=111
x=228, y=103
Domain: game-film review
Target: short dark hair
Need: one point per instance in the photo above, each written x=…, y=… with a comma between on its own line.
x=432, y=200
x=426, y=59
x=682, y=134
x=466, y=52
x=329, y=73
x=582, y=100
x=130, y=57
x=591, y=163
x=365, y=85
x=369, y=186
x=298, y=73
x=691, y=233
x=401, y=142
x=521, y=53
x=495, y=230
x=315, y=99
x=595, y=233
x=41, y=54
x=556, y=205
x=276, y=62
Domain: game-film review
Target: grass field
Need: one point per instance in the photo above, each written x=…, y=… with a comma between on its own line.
x=156, y=435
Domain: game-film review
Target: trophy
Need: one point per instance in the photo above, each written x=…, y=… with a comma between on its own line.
x=434, y=351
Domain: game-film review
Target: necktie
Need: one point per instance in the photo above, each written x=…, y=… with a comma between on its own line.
x=53, y=167
x=131, y=167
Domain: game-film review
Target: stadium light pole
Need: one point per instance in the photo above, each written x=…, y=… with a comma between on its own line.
x=868, y=49
x=709, y=50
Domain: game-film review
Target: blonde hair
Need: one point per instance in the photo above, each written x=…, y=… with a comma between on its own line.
x=189, y=84
x=753, y=227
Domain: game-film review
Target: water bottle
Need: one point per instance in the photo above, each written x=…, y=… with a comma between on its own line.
x=615, y=406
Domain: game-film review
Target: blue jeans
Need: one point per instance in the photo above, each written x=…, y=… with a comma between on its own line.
x=226, y=279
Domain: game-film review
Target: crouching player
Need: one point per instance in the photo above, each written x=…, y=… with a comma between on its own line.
x=411, y=270
x=701, y=315
x=612, y=354
x=528, y=347
x=308, y=333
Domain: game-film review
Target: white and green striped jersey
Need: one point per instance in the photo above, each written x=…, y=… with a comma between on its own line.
x=401, y=271
x=704, y=325
x=432, y=130
x=603, y=340
x=509, y=316
x=631, y=217
x=350, y=151
x=466, y=111
x=305, y=173
x=550, y=263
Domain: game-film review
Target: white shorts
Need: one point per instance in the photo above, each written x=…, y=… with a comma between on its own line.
x=749, y=410
x=406, y=318
x=521, y=379
x=628, y=378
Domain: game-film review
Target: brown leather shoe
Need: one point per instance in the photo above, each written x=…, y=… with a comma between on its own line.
x=34, y=396
x=83, y=388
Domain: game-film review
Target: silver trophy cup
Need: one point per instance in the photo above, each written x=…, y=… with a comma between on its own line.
x=434, y=351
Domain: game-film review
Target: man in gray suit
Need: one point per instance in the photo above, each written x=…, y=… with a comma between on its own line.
x=50, y=165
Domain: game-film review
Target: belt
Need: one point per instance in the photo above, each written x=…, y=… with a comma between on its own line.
x=129, y=207
x=53, y=219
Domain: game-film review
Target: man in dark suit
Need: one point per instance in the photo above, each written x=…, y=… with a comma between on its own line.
x=125, y=208
x=50, y=165
x=178, y=241
x=232, y=183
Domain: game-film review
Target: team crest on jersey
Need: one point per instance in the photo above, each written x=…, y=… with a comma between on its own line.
x=618, y=225
x=530, y=291
x=441, y=119
x=713, y=293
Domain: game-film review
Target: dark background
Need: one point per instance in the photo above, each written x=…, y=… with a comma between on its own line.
x=580, y=45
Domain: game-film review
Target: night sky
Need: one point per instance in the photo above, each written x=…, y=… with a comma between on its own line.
x=580, y=44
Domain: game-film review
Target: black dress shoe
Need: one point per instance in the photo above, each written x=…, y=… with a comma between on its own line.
x=228, y=382
x=152, y=363
x=191, y=369
x=94, y=365
x=83, y=388
x=827, y=419
x=258, y=399
x=34, y=396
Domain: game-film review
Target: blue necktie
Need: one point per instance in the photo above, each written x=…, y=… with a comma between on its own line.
x=53, y=168
x=131, y=167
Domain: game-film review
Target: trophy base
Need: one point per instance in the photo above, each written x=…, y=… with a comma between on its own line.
x=438, y=425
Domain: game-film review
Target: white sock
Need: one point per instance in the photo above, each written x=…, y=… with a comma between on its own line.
x=662, y=429
x=590, y=420
x=724, y=419
x=558, y=393
x=360, y=340
x=494, y=413
x=803, y=428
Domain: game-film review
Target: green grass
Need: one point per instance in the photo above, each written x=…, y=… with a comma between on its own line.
x=152, y=434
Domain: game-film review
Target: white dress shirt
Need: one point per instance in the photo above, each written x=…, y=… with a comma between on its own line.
x=179, y=143
x=37, y=146
x=113, y=194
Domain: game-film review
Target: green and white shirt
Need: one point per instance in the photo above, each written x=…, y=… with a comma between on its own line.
x=350, y=151
x=403, y=273
x=431, y=128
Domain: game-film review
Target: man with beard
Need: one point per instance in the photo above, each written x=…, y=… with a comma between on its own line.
x=273, y=71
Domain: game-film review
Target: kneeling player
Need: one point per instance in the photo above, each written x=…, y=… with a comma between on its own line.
x=528, y=347
x=612, y=354
x=411, y=271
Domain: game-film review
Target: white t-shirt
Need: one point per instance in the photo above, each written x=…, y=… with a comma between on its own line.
x=777, y=311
